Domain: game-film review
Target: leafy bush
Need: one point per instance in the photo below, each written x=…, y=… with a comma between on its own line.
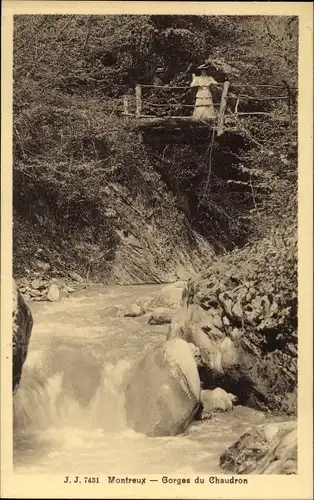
x=72, y=147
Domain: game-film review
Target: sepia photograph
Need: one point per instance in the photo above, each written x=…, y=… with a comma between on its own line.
x=155, y=320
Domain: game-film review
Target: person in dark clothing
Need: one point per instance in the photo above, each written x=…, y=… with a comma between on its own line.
x=157, y=97
x=158, y=77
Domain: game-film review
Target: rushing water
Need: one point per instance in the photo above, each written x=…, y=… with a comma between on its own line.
x=69, y=410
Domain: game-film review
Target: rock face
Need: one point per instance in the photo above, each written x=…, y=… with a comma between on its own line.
x=242, y=315
x=22, y=324
x=163, y=394
x=196, y=354
x=267, y=449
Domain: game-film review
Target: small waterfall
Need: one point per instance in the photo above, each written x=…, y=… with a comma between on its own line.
x=74, y=394
x=35, y=404
x=107, y=410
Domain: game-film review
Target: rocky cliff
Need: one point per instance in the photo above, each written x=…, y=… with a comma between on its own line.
x=22, y=324
x=242, y=315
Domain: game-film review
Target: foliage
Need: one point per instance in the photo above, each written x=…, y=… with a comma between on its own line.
x=71, y=142
x=107, y=55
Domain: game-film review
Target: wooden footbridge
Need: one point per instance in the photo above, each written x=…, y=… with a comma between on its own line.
x=169, y=109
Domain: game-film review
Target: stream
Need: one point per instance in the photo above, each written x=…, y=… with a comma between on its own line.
x=69, y=409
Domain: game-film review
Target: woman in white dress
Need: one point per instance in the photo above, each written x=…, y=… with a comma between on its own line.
x=204, y=108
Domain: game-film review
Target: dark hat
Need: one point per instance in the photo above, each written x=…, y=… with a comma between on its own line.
x=160, y=70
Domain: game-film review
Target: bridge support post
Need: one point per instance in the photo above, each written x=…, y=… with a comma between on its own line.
x=222, y=109
x=125, y=105
x=138, y=100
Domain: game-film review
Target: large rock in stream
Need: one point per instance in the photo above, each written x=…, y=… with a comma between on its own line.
x=217, y=400
x=163, y=394
x=169, y=297
x=267, y=449
x=22, y=324
x=242, y=315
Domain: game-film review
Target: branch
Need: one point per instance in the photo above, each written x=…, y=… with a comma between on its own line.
x=270, y=34
x=32, y=35
x=279, y=45
x=62, y=29
x=209, y=169
x=253, y=196
x=88, y=24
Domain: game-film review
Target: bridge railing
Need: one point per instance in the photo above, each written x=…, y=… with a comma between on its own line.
x=228, y=100
x=176, y=101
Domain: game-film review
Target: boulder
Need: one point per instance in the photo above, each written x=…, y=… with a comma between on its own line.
x=217, y=400
x=266, y=449
x=134, y=311
x=160, y=316
x=36, y=283
x=163, y=392
x=22, y=324
x=53, y=294
x=169, y=296
x=76, y=276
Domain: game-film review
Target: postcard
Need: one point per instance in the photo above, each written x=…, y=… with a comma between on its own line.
x=157, y=232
